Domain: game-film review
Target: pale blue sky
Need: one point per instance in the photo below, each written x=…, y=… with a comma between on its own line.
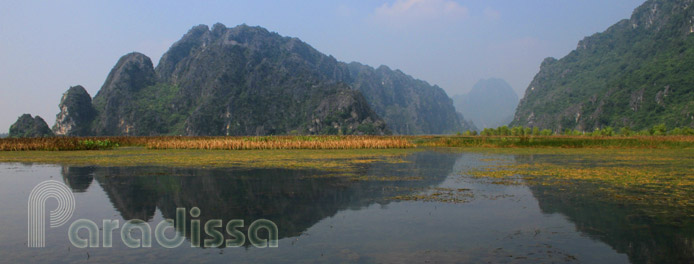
x=47, y=46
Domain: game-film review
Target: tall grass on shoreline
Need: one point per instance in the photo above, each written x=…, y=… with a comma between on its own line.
x=343, y=142
x=556, y=141
x=61, y=143
x=283, y=142
x=608, y=131
x=228, y=143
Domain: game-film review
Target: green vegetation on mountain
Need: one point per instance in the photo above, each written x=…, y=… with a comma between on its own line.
x=28, y=126
x=636, y=74
x=249, y=81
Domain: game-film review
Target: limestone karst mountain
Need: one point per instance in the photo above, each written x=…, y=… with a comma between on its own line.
x=28, y=126
x=249, y=81
x=637, y=73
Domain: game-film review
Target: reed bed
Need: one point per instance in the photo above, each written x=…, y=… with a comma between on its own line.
x=283, y=142
x=228, y=143
x=556, y=141
x=342, y=142
x=72, y=143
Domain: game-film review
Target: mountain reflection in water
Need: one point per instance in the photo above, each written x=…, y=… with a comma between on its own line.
x=293, y=199
x=351, y=217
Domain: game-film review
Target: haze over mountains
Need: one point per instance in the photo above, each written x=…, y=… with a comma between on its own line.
x=491, y=103
x=249, y=81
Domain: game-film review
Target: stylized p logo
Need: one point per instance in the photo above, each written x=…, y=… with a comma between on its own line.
x=37, y=207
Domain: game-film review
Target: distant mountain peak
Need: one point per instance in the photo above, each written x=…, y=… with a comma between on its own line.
x=489, y=104
x=28, y=126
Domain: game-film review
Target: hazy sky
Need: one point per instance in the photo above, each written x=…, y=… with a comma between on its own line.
x=47, y=46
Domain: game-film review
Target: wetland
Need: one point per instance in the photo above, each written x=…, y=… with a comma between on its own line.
x=437, y=204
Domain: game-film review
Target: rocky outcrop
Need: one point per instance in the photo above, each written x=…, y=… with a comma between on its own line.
x=27, y=126
x=76, y=113
x=346, y=112
x=116, y=98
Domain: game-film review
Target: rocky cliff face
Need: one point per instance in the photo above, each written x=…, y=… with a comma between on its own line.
x=408, y=105
x=345, y=112
x=249, y=81
x=27, y=126
x=636, y=74
x=76, y=113
x=116, y=100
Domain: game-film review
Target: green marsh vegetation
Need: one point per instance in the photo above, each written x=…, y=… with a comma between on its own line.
x=664, y=153
x=439, y=194
x=321, y=152
x=655, y=173
x=502, y=137
x=559, y=141
x=660, y=182
x=658, y=136
x=608, y=131
x=331, y=160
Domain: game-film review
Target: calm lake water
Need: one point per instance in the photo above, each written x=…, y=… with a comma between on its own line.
x=322, y=218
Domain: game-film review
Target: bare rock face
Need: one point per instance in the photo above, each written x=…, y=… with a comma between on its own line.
x=76, y=113
x=346, y=112
x=27, y=126
x=408, y=105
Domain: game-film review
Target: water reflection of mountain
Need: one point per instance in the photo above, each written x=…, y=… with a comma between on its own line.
x=294, y=199
x=78, y=178
x=623, y=226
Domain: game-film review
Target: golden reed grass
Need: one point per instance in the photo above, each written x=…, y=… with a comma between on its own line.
x=229, y=143
x=284, y=142
x=347, y=142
